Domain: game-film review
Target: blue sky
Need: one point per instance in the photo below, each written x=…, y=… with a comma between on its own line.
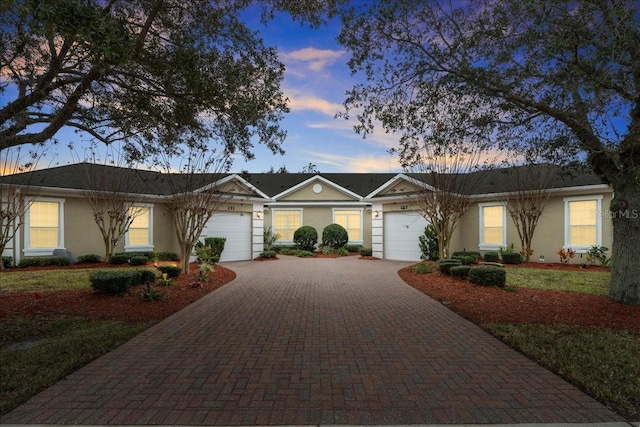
x=315, y=82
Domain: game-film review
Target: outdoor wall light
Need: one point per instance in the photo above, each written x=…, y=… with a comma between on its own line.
x=376, y=214
x=258, y=214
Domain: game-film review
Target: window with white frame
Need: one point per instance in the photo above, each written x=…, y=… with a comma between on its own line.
x=286, y=222
x=493, y=228
x=140, y=233
x=44, y=231
x=351, y=220
x=583, y=223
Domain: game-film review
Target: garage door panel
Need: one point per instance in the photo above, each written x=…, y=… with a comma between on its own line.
x=236, y=228
x=401, y=235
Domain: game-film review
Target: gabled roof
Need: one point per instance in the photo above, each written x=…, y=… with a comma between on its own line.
x=92, y=176
x=87, y=176
x=518, y=178
x=361, y=184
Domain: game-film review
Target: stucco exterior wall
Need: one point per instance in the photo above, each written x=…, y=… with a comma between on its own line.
x=319, y=217
x=307, y=193
x=82, y=235
x=549, y=235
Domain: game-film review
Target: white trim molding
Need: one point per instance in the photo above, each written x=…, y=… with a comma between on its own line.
x=273, y=225
x=359, y=241
x=581, y=249
x=491, y=246
x=141, y=248
x=28, y=250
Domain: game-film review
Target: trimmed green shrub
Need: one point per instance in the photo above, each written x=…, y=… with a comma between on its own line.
x=444, y=265
x=305, y=238
x=428, y=244
x=488, y=276
x=32, y=262
x=58, y=260
x=44, y=261
x=217, y=245
x=492, y=256
x=342, y=252
x=305, y=254
x=166, y=256
x=268, y=254
x=7, y=261
x=328, y=250
x=460, y=271
x=288, y=251
x=112, y=282
x=334, y=236
x=210, y=251
x=139, y=260
x=365, y=251
x=466, y=253
x=119, y=259
x=143, y=276
x=89, y=259
x=466, y=259
x=512, y=258
x=423, y=268
x=148, y=254
x=353, y=248
x=170, y=270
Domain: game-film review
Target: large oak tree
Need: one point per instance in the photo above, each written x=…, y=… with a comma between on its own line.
x=559, y=75
x=147, y=73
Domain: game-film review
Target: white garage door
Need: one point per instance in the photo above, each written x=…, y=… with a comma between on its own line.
x=237, y=229
x=401, y=232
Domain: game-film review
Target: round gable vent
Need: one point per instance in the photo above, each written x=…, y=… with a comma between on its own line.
x=317, y=188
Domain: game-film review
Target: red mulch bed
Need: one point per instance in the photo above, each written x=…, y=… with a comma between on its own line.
x=482, y=304
x=129, y=307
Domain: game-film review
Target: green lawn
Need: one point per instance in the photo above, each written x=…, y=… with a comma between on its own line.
x=46, y=280
x=35, y=353
x=591, y=282
x=602, y=362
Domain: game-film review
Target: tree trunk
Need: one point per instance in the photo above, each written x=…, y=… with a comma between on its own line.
x=185, y=254
x=625, y=268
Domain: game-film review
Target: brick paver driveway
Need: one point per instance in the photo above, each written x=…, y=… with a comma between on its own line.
x=312, y=341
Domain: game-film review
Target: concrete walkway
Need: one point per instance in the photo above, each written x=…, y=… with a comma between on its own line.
x=312, y=341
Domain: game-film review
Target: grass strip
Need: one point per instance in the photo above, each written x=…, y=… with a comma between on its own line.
x=603, y=362
x=48, y=280
x=590, y=282
x=37, y=354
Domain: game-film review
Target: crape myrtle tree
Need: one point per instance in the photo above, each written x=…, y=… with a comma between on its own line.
x=565, y=69
x=114, y=190
x=527, y=200
x=13, y=204
x=195, y=193
x=441, y=152
x=446, y=197
x=143, y=72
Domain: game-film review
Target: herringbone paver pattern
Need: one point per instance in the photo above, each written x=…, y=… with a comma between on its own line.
x=312, y=341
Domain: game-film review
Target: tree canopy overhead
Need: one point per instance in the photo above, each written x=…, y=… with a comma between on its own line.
x=149, y=73
x=559, y=78
x=564, y=69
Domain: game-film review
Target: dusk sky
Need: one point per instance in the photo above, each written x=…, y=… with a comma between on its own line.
x=316, y=80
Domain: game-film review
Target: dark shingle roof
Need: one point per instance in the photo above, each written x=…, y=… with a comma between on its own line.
x=530, y=177
x=87, y=176
x=91, y=176
x=360, y=183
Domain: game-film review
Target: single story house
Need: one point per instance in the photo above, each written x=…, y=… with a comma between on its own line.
x=377, y=209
